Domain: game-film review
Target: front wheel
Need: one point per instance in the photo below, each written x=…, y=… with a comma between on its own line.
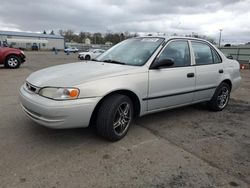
x=12, y=62
x=87, y=57
x=114, y=117
x=220, y=98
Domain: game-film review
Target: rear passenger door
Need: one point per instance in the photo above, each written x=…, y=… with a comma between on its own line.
x=209, y=70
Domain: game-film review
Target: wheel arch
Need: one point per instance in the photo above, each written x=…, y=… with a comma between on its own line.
x=227, y=81
x=87, y=55
x=8, y=55
x=129, y=93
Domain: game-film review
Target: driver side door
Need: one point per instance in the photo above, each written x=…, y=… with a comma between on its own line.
x=174, y=85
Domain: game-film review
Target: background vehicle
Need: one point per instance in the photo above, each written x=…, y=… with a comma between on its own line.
x=34, y=47
x=71, y=49
x=136, y=77
x=91, y=54
x=11, y=57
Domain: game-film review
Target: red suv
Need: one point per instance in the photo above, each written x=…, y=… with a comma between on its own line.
x=11, y=57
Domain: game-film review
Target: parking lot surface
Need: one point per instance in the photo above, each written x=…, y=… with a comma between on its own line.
x=185, y=147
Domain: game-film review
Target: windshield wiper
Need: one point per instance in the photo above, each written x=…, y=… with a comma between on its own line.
x=113, y=61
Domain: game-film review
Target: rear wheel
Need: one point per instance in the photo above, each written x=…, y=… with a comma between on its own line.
x=220, y=98
x=114, y=117
x=12, y=62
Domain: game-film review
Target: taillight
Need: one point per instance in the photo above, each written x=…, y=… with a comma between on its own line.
x=242, y=66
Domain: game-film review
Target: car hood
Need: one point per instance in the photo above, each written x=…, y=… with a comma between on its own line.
x=5, y=49
x=82, y=53
x=73, y=74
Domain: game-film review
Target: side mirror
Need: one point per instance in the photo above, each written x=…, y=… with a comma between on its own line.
x=162, y=63
x=230, y=57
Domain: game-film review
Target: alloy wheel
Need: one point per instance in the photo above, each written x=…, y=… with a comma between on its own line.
x=223, y=97
x=12, y=62
x=122, y=118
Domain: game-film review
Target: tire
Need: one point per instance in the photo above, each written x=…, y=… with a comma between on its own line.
x=12, y=62
x=81, y=58
x=114, y=117
x=87, y=57
x=220, y=98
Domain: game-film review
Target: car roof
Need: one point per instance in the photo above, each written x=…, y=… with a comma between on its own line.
x=166, y=38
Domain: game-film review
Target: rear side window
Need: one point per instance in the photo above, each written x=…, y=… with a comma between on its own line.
x=216, y=57
x=203, y=53
x=178, y=51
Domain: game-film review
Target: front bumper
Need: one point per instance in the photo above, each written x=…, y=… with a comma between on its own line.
x=57, y=114
x=81, y=57
x=22, y=58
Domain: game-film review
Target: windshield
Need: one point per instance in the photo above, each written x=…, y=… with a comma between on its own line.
x=134, y=51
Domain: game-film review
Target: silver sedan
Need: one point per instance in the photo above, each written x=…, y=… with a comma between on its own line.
x=135, y=77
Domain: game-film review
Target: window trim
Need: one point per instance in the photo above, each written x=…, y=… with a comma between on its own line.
x=163, y=48
x=211, y=48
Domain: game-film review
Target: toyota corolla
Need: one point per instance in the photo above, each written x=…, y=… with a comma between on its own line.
x=135, y=77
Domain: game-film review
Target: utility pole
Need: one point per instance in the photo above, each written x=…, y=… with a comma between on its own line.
x=220, y=37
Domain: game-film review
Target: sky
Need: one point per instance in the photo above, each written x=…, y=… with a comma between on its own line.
x=205, y=17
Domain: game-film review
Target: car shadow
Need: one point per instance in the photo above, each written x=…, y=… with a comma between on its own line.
x=79, y=135
x=64, y=136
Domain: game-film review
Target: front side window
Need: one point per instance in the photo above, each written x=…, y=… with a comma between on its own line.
x=135, y=51
x=178, y=51
x=203, y=53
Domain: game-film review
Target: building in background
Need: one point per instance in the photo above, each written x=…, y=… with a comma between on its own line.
x=35, y=41
x=87, y=41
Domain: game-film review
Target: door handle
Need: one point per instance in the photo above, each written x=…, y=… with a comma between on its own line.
x=221, y=71
x=190, y=75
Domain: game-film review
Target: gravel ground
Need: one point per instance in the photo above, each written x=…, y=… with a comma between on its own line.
x=185, y=147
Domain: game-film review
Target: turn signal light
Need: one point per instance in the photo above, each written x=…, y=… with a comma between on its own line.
x=73, y=93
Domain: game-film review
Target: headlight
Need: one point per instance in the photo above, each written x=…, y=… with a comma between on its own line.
x=59, y=93
x=22, y=52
